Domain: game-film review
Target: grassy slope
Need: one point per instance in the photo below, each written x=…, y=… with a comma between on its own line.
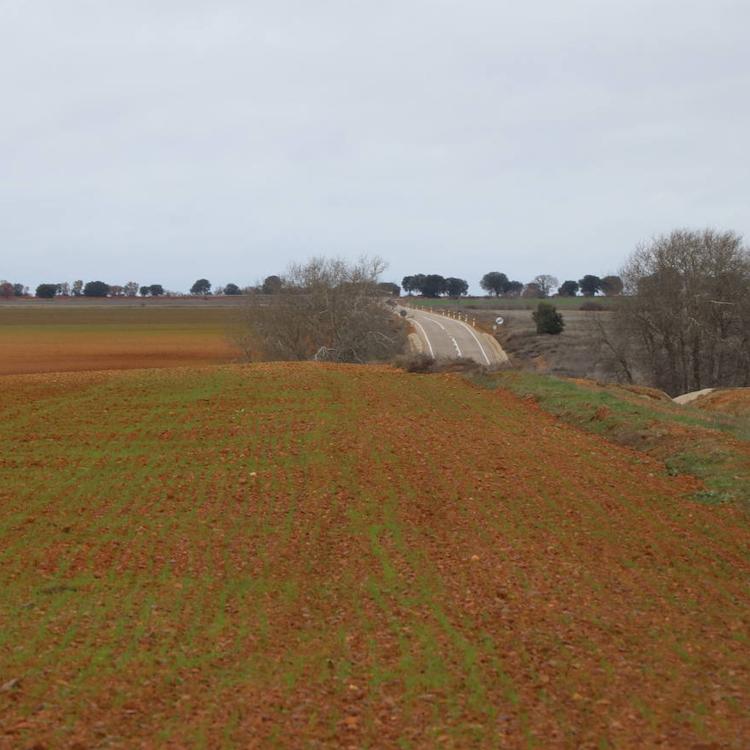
x=712, y=446
x=351, y=556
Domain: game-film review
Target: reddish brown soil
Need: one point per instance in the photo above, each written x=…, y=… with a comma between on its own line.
x=68, y=335
x=101, y=351
x=728, y=401
x=320, y=556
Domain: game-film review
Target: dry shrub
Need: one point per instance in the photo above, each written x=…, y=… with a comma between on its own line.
x=414, y=362
x=459, y=364
x=424, y=363
x=325, y=310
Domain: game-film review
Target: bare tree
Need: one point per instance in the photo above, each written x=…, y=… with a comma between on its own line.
x=687, y=314
x=325, y=309
x=546, y=283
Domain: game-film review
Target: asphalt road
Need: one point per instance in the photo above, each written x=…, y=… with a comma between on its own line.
x=447, y=338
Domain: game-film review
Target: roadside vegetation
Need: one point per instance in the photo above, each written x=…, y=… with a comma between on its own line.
x=713, y=446
x=685, y=325
x=326, y=310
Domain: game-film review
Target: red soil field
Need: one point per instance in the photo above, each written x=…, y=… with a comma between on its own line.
x=727, y=401
x=64, y=338
x=327, y=556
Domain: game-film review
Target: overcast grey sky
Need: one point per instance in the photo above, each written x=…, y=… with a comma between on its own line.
x=163, y=140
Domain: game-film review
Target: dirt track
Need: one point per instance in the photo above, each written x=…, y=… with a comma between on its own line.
x=330, y=556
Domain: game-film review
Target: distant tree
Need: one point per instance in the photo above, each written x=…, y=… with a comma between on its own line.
x=46, y=291
x=19, y=290
x=612, y=286
x=568, y=289
x=590, y=285
x=546, y=283
x=232, y=290
x=456, y=287
x=131, y=288
x=63, y=289
x=156, y=290
x=407, y=284
x=388, y=287
x=495, y=283
x=116, y=290
x=144, y=291
x=547, y=319
x=201, y=287
x=272, y=285
x=434, y=285
x=77, y=288
x=514, y=289
x=418, y=282
x=6, y=290
x=532, y=291
x=96, y=289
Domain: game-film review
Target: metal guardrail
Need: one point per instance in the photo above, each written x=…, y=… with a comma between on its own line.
x=445, y=313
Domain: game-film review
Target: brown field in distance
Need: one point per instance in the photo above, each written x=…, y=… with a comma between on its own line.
x=64, y=336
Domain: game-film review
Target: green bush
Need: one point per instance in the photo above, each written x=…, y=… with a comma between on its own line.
x=547, y=319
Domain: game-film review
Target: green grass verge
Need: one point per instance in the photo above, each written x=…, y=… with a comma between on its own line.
x=707, y=445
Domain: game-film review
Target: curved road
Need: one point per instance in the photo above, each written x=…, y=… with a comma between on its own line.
x=447, y=338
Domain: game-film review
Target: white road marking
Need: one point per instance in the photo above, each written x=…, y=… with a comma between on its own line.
x=426, y=337
x=437, y=323
x=458, y=349
x=484, y=353
x=470, y=330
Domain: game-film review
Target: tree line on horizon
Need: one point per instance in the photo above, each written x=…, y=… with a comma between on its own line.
x=202, y=287
x=498, y=284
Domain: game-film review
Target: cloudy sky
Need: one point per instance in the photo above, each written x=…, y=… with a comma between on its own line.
x=160, y=141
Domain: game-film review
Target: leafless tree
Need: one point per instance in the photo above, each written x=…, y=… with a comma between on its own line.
x=686, y=319
x=325, y=309
x=546, y=283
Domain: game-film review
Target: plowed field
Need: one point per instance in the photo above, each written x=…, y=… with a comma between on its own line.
x=321, y=556
x=65, y=339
